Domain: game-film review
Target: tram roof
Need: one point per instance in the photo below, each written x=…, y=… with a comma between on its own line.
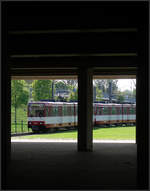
x=66, y=103
x=51, y=103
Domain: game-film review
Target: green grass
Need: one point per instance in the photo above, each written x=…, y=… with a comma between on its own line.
x=117, y=133
x=21, y=115
x=19, y=128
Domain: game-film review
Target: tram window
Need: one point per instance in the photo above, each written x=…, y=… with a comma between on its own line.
x=134, y=110
x=47, y=111
x=102, y=109
x=50, y=111
x=54, y=112
x=65, y=110
x=105, y=111
x=125, y=110
x=76, y=110
x=69, y=110
x=99, y=110
x=59, y=110
x=109, y=110
x=128, y=110
x=95, y=110
x=72, y=110
x=131, y=111
x=113, y=110
x=119, y=110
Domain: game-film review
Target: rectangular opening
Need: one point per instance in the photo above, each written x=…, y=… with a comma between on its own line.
x=114, y=111
x=44, y=108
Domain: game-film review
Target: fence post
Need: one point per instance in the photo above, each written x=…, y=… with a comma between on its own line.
x=15, y=127
x=15, y=115
x=22, y=126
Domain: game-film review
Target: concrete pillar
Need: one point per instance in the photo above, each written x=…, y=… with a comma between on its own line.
x=94, y=94
x=110, y=91
x=85, y=110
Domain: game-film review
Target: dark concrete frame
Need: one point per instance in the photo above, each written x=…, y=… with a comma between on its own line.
x=85, y=78
x=83, y=66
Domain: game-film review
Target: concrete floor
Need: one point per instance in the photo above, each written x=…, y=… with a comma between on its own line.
x=59, y=165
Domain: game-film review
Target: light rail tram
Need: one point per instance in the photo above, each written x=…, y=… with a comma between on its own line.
x=44, y=115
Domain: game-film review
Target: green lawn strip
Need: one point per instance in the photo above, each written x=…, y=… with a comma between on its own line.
x=118, y=133
x=21, y=117
x=21, y=113
x=18, y=128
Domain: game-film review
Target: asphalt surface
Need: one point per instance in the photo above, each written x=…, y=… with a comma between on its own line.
x=57, y=165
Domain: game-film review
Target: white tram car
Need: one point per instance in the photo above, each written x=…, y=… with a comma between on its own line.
x=47, y=115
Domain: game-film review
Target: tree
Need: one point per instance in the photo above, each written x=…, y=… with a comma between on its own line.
x=70, y=85
x=61, y=85
x=19, y=93
x=73, y=96
x=71, y=82
x=42, y=89
x=120, y=98
x=99, y=94
x=66, y=84
x=104, y=85
x=100, y=84
x=29, y=81
x=133, y=83
x=133, y=88
x=134, y=92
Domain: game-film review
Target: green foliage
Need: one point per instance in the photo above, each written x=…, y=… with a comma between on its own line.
x=134, y=93
x=73, y=96
x=19, y=95
x=104, y=85
x=42, y=89
x=61, y=85
x=21, y=119
x=127, y=92
x=59, y=98
x=120, y=97
x=99, y=94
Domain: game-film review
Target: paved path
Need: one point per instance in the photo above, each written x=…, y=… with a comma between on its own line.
x=69, y=140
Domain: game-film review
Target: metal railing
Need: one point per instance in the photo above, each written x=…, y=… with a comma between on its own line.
x=19, y=127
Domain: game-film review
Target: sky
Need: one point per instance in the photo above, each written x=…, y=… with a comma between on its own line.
x=125, y=84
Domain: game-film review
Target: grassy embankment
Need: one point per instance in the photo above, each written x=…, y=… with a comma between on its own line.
x=21, y=115
x=117, y=133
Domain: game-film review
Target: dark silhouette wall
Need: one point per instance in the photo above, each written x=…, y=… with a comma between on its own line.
x=82, y=38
